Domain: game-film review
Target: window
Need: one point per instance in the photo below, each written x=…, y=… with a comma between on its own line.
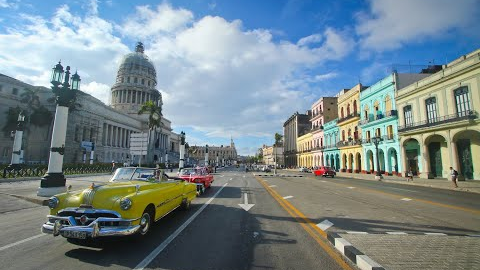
x=128, y=79
x=355, y=107
x=343, y=135
x=77, y=133
x=143, y=81
x=355, y=134
x=1, y=88
x=348, y=109
x=15, y=91
x=388, y=104
x=341, y=113
x=378, y=133
x=431, y=104
x=135, y=80
x=390, y=132
x=123, y=80
x=367, y=134
x=462, y=101
x=407, y=113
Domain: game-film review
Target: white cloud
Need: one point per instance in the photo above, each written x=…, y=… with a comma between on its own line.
x=214, y=75
x=164, y=20
x=389, y=24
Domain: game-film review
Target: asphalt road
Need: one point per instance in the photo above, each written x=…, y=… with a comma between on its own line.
x=216, y=233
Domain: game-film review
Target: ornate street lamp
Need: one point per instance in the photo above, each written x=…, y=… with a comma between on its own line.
x=53, y=182
x=182, y=151
x=17, y=145
x=206, y=155
x=376, y=140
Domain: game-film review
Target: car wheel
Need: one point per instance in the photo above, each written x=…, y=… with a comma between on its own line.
x=145, y=222
x=185, y=204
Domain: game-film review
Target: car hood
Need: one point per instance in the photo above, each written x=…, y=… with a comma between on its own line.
x=105, y=196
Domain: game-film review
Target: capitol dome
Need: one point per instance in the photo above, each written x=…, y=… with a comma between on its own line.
x=135, y=83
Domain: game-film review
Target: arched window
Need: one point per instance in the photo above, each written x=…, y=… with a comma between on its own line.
x=349, y=133
x=388, y=104
x=355, y=107
x=355, y=134
x=343, y=135
x=365, y=112
x=348, y=109
x=342, y=115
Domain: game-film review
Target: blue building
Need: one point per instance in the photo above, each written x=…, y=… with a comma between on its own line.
x=331, y=154
x=379, y=120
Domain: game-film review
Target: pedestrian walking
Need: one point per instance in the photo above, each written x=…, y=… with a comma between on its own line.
x=113, y=166
x=454, y=176
x=410, y=175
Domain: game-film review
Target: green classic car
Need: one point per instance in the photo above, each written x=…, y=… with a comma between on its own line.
x=129, y=204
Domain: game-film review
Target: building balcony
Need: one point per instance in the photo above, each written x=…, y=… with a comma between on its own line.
x=315, y=116
x=372, y=118
x=330, y=147
x=348, y=117
x=350, y=142
x=316, y=128
x=452, y=118
x=384, y=138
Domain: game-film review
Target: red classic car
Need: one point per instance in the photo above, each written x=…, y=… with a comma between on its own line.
x=199, y=175
x=324, y=171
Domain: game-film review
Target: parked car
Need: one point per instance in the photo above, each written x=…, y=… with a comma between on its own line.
x=201, y=176
x=128, y=204
x=324, y=171
x=303, y=169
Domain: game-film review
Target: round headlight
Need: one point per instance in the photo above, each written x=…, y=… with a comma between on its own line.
x=125, y=203
x=53, y=202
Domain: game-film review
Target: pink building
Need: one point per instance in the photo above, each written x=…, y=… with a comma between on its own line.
x=323, y=110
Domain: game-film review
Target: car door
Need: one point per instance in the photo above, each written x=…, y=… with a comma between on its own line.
x=167, y=193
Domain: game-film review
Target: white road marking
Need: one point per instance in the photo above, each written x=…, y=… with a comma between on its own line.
x=324, y=224
x=246, y=206
x=396, y=233
x=434, y=233
x=167, y=241
x=404, y=189
x=244, y=176
x=273, y=186
x=355, y=232
x=351, y=187
x=230, y=179
x=21, y=241
x=323, y=181
x=406, y=199
x=288, y=197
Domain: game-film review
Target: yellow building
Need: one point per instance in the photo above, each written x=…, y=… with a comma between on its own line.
x=350, y=145
x=439, y=125
x=304, y=150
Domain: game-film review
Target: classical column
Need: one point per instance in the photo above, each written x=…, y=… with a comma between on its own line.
x=17, y=145
x=455, y=161
x=406, y=167
x=426, y=162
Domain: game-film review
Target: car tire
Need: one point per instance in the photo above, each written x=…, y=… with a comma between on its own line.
x=145, y=222
x=185, y=205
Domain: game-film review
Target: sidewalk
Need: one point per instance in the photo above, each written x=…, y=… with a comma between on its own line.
x=442, y=183
x=26, y=188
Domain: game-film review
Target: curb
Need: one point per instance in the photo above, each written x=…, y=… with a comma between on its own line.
x=357, y=257
x=409, y=233
x=278, y=175
x=42, y=202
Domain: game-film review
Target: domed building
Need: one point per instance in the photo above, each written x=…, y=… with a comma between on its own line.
x=108, y=127
x=135, y=83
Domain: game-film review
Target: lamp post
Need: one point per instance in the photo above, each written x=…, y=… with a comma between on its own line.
x=376, y=140
x=53, y=182
x=181, y=164
x=206, y=155
x=17, y=145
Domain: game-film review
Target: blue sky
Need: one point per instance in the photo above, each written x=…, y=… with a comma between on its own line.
x=235, y=68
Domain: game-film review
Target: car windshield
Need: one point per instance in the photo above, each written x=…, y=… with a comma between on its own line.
x=129, y=174
x=187, y=171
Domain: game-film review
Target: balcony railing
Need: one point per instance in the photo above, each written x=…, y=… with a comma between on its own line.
x=353, y=115
x=371, y=118
x=314, y=115
x=467, y=115
x=330, y=146
x=349, y=143
x=315, y=128
x=388, y=137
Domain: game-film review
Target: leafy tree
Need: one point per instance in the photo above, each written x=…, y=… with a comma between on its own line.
x=278, y=139
x=154, y=114
x=11, y=123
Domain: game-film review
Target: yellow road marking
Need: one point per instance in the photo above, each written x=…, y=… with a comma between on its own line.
x=309, y=226
x=474, y=211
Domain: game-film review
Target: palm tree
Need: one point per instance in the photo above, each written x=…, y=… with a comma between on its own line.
x=278, y=139
x=154, y=115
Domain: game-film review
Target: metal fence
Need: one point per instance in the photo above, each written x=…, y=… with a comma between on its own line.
x=41, y=170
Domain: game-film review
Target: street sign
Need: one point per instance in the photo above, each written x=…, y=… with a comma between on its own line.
x=88, y=146
x=138, y=144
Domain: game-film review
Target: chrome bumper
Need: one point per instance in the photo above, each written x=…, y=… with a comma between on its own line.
x=58, y=227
